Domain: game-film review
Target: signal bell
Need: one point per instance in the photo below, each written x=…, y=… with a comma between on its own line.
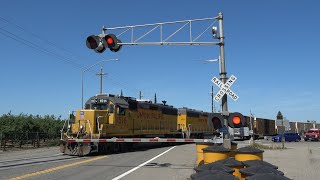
x=236, y=120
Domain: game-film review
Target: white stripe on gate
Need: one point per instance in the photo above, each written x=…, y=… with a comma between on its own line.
x=139, y=140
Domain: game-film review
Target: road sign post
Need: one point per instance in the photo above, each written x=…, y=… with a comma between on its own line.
x=285, y=125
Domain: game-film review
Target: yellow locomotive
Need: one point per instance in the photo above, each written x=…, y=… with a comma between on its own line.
x=107, y=116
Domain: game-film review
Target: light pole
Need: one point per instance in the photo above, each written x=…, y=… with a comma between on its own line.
x=89, y=69
x=212, y=102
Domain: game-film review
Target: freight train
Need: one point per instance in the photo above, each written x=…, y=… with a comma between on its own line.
x=106, y=116
x=262, y=127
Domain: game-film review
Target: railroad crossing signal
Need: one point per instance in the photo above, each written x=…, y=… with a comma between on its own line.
x=236, y=120
x=225, y=88
x=217, y=120
x=112, y=42
x=99, y=43
x=94, y=42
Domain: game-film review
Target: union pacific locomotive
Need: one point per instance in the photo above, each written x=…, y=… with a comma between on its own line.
x=106, y=116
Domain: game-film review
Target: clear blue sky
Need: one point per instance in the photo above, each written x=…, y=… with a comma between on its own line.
x=271, y=46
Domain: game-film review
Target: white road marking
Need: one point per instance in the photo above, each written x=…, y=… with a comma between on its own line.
x=133, y=169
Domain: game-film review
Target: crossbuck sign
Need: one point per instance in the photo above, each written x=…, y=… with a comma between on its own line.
x=225, y=88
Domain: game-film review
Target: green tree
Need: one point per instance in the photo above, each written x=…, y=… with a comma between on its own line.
x=279, y=115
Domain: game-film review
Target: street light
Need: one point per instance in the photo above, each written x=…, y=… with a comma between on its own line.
x=89, y=69
x=212, y=95
x=211, y=60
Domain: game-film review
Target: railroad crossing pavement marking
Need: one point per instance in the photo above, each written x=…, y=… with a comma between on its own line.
x=133, y=169
x=57, y=168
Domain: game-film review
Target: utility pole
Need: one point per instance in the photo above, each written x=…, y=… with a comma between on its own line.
x=101, y=74
x=140, y=95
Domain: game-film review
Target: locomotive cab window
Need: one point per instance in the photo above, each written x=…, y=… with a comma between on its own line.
x=121, y=111
x=100, y=106
x=111, y=108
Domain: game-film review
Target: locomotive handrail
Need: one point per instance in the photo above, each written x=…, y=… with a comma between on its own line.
x=89, y=128
x=61, y=131
x=64, y=124
x=99, y=129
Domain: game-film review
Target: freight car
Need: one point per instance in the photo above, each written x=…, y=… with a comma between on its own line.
x=107, y=116
x=262, y=127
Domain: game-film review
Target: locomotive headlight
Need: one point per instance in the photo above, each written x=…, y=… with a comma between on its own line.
x=81, y=127
x=69, y=126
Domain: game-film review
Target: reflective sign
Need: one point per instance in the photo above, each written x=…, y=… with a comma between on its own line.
x=225, y=88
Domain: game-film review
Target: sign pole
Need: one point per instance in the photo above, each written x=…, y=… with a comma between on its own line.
x=212, y=102
x=282, y=136
x=223, y=78
x=223, y=73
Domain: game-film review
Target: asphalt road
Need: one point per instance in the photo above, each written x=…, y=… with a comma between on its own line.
x=50, y=164
x=300, y=160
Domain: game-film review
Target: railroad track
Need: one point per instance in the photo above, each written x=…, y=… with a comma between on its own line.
x=12, y=163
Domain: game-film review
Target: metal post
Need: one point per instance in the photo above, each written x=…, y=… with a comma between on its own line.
x=251, y=128
x=101, y=79
x=282, y=137
x=223, y=77
x=223, y=73
x=212, y=103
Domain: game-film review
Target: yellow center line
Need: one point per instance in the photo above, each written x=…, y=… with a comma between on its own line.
x=57, y=168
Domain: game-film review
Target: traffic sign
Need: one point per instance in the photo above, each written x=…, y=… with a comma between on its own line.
x=225, y=88
x=285, y=123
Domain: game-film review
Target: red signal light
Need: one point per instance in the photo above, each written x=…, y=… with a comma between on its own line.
x=110, y=40
x=236, y=120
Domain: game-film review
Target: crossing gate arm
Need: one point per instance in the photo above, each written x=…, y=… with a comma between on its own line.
x=146, y=140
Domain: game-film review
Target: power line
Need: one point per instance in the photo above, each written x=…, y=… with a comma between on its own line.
x=35, y=46
x=48, y=52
